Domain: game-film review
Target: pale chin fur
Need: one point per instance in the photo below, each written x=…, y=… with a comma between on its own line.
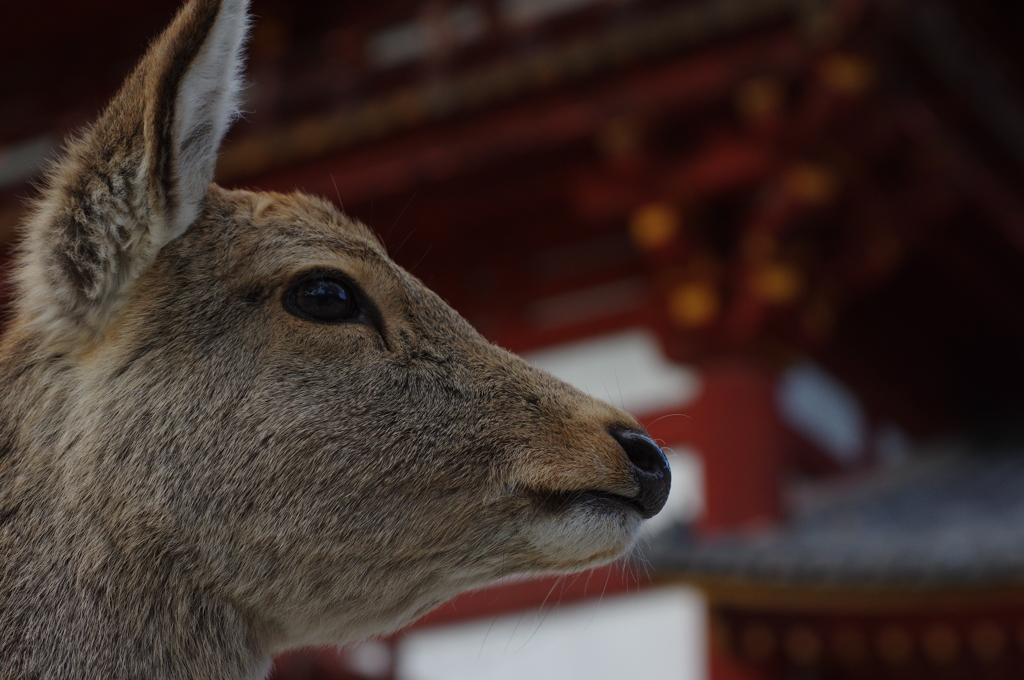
x=585, y=535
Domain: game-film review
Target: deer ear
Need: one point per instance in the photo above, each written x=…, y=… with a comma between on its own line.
x=136, y=179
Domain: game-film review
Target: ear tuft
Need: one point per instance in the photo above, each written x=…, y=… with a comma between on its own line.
x=137, y=178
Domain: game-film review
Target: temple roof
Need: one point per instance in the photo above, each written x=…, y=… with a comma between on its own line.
x=947, y=520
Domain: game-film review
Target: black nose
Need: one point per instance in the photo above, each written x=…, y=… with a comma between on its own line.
x=650, y=468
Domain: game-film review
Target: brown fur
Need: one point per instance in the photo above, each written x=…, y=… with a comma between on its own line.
x=191, y=478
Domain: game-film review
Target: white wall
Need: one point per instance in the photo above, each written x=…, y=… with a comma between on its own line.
x=658, y=634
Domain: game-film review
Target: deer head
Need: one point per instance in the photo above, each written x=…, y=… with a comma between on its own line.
x=232, y=425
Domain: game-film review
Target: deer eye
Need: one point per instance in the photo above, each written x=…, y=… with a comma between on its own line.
x=321, y=298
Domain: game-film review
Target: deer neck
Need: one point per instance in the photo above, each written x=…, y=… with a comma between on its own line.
x=74, y=604
x=76, y=613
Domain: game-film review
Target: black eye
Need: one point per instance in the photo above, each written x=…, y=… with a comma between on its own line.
x=321, y=299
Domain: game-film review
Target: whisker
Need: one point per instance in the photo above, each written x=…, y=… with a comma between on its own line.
x=669, y=415
x=604, y=588
x=419, y=261
x=395, y=224
x=590, y=575
x=340, y=202
x=504, y=557
x=544, y=616
x=513, y=634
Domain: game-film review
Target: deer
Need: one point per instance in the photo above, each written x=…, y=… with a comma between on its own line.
x=231, y=425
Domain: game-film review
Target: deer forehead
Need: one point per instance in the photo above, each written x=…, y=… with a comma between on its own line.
x=276, y=234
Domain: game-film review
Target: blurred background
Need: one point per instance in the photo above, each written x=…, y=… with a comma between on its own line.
x=786, y=234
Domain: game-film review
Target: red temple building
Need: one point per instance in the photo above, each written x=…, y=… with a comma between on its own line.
x=812, y=208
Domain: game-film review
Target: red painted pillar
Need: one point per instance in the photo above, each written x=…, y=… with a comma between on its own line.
x=725, y=666
x=736, y=429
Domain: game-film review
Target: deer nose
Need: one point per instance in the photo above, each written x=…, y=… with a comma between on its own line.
x=650, y=469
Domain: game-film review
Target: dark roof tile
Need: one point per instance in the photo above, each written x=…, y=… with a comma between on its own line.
x=943, y=520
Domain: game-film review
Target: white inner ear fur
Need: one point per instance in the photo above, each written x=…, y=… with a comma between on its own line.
x=206, y=105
